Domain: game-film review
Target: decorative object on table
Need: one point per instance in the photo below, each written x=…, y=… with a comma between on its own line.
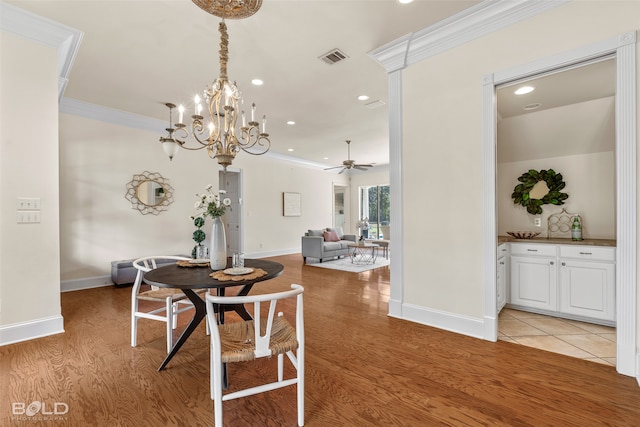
x=194, y=263
x=560, y=224
x=576, y=228
x=523, y=234
x=199, y=251
x=213, y=206
x=149, y=193
x=351, y=164
x=538, y=188
x=237, y=263
x=363, y=225
x=361, y=241
x=218, y=134
x=237, y=271
x=224, y=277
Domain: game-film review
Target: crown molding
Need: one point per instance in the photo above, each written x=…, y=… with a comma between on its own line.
x=47, y=32
x=470, y=24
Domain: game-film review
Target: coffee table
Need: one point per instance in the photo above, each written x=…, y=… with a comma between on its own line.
x=366, y=253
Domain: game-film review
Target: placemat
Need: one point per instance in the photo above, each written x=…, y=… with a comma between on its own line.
x=187, y=263
x=220, y=275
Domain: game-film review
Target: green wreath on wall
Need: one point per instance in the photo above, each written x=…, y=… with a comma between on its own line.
x=529, y=179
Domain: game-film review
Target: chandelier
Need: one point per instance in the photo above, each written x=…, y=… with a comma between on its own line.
x=221, y=100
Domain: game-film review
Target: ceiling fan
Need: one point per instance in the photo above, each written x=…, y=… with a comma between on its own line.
x=350, y=164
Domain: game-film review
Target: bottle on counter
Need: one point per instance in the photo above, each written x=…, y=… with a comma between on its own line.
x=576, y=228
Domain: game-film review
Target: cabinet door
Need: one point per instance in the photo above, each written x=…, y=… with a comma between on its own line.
x=501, y=283
x=533, y=282
x=588, y=289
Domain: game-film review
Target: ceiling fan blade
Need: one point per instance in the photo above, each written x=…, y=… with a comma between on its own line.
x=343, y=169
x=364, y=166
x=335, y=167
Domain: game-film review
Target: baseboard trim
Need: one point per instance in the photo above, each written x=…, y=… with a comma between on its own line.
x=266, y=254
x=452, y=322
x=85, y=283
x=30, y=330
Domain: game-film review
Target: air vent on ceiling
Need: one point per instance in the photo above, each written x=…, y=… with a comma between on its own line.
x=333, y=56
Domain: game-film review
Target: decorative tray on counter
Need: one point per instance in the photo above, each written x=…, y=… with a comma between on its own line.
x=523, y=234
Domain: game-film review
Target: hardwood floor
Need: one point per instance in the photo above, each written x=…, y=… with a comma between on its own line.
x=363, y=369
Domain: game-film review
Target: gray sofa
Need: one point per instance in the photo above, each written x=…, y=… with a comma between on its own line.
x=315, y=246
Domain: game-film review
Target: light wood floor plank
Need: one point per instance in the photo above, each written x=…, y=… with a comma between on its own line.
x=363, y=369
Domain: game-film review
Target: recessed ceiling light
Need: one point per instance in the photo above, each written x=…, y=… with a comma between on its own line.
x=325, y=158
x=363, y=97
x=534, y=106
x=257, y=82
x=523, y=90
x=290, y=149
x=291, y=122
x=405, y=1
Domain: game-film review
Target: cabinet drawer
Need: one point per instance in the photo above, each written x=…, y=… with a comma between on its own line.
x=593, y=253
x=532, y=249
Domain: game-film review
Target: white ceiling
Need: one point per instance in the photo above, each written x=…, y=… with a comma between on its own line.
x=576, y=113
x=137, y=55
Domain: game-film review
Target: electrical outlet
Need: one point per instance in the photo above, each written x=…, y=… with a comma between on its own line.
x=537, y=222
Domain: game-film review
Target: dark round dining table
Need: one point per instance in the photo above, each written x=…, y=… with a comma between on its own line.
x=188, y=279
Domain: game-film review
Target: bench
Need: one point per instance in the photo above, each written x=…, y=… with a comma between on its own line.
x=123, y=273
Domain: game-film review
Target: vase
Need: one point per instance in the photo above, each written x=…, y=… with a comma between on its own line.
x=218, y=246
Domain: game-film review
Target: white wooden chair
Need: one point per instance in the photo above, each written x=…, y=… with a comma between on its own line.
x=249, y=340
x=170, y=298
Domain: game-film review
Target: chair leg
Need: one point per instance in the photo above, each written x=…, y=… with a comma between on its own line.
x=170, y=323
x=216, y=390
x=300, y=386
x=280, y=367
x=134, y=322
x=174, y=319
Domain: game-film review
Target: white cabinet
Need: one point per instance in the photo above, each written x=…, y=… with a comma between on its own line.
x=587, y=282
x=501, y=276
x=574, y=280
x=533, y=276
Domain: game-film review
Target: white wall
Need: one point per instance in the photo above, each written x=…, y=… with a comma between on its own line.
x=99, y=226
x=29, y=253
x=590, y=180
x=442, y=147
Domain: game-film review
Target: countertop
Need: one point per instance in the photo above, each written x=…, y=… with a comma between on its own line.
x=559, y=240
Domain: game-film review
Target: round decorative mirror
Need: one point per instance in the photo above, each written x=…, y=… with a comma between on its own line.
x=149, y=193
x=538, y=188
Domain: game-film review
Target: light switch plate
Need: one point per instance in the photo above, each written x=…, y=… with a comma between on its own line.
x=537, y=222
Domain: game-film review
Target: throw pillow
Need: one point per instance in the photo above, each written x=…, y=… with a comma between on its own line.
x=318, y=233
x=338, y=231
x=331, y=236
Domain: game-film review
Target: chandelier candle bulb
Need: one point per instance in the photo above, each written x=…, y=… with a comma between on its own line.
x=253, y=112
x=180, y=113
x=244, y=120
x=264, y=124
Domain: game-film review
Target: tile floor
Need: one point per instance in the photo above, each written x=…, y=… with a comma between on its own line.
x=569, y=337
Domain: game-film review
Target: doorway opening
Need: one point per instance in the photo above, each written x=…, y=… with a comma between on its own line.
x=624, y=48
x=231, y=182
x=563, y=122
